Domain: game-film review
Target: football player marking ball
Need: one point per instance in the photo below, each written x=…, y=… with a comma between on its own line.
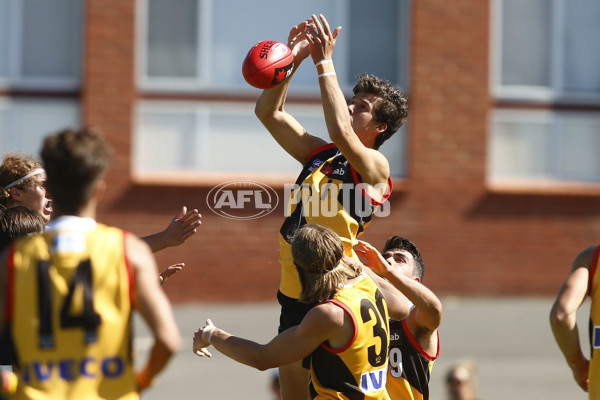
x=267, y=64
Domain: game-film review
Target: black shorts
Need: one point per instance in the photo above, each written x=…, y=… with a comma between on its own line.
x=292, y=312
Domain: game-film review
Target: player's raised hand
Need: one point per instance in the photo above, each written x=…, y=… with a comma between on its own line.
x=182, y=226
x=372, y=258
x=298, y=42
x=321, y=38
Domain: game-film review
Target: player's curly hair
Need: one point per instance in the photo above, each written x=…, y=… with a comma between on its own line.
x=318, y=255
x=15, y=166
x=391, y=108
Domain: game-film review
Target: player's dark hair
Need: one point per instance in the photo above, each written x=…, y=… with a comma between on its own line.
x=400, y=243
x=75, y=160
x=391, y=108
x=18, y=221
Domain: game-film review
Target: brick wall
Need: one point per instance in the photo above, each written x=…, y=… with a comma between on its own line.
x=475, y=241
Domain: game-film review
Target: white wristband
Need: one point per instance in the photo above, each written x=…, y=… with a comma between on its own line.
x=323, y=62
x=326, y=74
x=210, y=330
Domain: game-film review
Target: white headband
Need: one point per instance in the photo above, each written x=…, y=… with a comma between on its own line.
x=29, y=175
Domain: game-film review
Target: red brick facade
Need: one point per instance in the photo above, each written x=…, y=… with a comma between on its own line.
x=474, y=240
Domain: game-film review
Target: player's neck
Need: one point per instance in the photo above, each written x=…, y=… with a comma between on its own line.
x=88, y=211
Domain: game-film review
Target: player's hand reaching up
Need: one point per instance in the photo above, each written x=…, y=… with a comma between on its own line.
x=182, y=227
x=298, y=42
x=372, y=258
x=321, y=38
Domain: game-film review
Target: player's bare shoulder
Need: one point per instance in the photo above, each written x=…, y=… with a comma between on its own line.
x=138, y=252
x=586, y=257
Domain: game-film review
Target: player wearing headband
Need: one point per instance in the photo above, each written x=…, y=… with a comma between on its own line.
x=23, y=183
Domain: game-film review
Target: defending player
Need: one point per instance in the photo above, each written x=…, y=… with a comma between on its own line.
x=349, y=177
x=346, y=332
x=69, y=293
x=414, y=341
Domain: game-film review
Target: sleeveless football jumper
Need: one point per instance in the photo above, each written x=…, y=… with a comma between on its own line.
x=69, y=309
x=328, y=192
x=409, y=365
x=594, y=370
x=357, y=371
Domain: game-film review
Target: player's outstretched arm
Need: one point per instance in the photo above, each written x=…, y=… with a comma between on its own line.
x=153, y=305
x=563, y=315
x=284, y=128
x=181, y=227
x=322, y=323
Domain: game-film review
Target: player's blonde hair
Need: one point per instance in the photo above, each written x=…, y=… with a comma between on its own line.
x=319, y=258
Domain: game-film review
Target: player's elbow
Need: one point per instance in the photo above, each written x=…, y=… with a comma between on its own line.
x=434, y=317
x=437, y=311
x=262, y=361
x=262, y=366
x=558, y=316
x=264, y=110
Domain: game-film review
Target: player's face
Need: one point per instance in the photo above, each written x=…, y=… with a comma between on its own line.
x=34, y=197
x=401, y=260
x=362, y=110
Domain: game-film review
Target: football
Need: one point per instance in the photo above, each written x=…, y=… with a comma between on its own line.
x=267, y=64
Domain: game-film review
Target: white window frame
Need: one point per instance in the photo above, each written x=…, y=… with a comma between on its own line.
x=15, y=78
x=204, y=84
x=11, y=109
x=541, y=94
x=556, y=121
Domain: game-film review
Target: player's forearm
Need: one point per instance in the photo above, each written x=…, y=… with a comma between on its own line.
x=241, y=350
x=159, y=356
x=156, y=241
x=272, y=100
x=564, y=328
x=422, y=297
x=335, y=109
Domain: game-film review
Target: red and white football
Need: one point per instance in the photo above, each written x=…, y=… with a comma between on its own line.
x=267, y=64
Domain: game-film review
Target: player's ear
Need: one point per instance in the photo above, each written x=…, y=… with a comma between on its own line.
x=15, y=193
x=381, y=127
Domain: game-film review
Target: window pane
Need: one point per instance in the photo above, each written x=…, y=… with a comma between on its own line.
x=4, y=38
x=26, y=122
x=165, y=140
x=233, y=36
x=582, y=52
x=218, y=137
x=51, y=35
x=172, y=38
x=520, y=149
x=526, y=39
x=580, y=144
x=239, y=141
x=381, y=22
